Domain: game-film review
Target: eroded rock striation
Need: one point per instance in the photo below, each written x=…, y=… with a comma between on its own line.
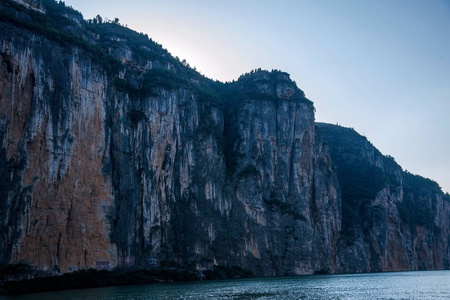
x=115, y=154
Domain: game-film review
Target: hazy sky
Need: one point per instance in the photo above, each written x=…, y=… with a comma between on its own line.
x=379, y=66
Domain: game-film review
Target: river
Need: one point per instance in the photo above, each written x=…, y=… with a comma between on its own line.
x=397, y=285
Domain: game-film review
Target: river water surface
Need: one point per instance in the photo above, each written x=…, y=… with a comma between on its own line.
x=398, y=285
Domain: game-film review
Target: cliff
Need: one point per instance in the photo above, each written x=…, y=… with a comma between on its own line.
x=391, y=219
x=115, y=154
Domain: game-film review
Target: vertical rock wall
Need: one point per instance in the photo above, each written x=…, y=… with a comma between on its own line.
x=392, y=220
x=131, y=159
x=54, y=194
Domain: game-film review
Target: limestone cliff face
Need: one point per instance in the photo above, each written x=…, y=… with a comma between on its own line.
x=274, y=166
x=201, y=184
x=53, y=191
x=150, y=164
x=392, y=220
x=115, y=154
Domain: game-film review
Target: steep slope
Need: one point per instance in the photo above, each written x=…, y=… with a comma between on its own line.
x=391, y=219
x=115, y=154
x=127, y=159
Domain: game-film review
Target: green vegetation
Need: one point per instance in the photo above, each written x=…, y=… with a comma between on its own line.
x=360, y=185
x=56, y=27
x=153, y=81
x=40, y=23
x=163, y=79
x=418, y=200
x=125, y=86
x=73, y=31
x=246, y=88
x=361, y=180
x=113, y=35
x=104, y=41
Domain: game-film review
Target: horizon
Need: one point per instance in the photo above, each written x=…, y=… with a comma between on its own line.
x=367, y=66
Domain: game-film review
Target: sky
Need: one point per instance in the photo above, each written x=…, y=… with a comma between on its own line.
x=381, y=67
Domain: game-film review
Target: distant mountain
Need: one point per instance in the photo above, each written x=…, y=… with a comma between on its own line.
x=114, y=154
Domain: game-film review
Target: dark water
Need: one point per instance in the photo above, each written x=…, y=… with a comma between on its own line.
x=404, y=285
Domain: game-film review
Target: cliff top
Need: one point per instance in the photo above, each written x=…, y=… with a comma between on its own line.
x=267, y=85
x=134, y=62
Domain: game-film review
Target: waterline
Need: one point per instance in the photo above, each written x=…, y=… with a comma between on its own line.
x=397, y=285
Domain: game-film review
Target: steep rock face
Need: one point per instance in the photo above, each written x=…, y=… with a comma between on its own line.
x=115, y=154
x=54, y=195
x=204, y=185
x=168, y=177
x=392, y=220
x=272, y=163
x=145, y=165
